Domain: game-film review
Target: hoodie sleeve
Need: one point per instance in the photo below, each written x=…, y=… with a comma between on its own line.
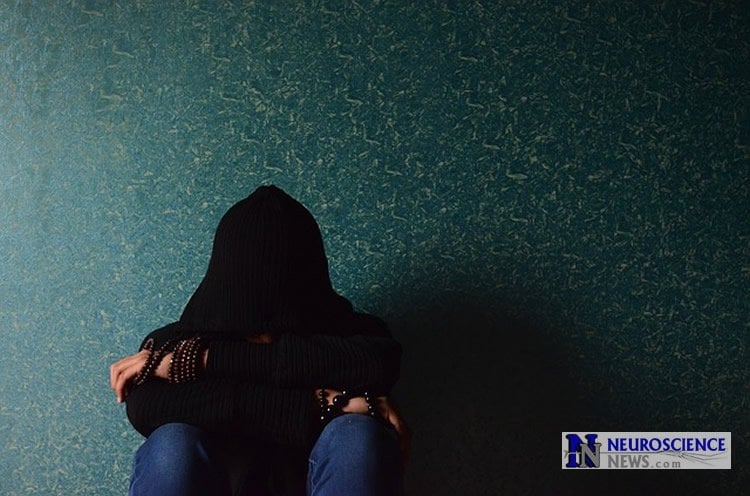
x=163, y=335
x=370, y=359
x=273, y=414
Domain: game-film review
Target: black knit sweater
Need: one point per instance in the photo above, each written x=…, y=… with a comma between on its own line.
x=267, y=390
x=268, y=274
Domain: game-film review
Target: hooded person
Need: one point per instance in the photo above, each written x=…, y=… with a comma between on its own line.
x=268, y=273
x=262, y=332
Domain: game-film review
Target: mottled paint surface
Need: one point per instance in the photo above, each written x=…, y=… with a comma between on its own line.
x=546, y=200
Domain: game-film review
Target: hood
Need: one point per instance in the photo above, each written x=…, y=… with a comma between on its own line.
x=268, y=272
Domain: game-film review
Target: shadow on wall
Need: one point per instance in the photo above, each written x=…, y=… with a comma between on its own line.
x=487, y=396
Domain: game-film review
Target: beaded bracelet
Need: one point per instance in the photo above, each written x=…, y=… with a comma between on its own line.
x=175, y=360
x=183, y=367
x=339, y=402
x=152, y=362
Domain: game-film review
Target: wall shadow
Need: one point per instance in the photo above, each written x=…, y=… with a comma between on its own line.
x=487, y=395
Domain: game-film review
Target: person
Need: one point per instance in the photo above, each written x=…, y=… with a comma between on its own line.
x=270, y=382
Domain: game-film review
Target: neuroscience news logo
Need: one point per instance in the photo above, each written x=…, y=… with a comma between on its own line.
x=580, y=455
x=647, y=450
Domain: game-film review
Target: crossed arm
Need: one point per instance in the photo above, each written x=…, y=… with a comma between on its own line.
x=293, y=362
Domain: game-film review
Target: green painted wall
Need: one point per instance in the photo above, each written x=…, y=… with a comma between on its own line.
x=547, y=201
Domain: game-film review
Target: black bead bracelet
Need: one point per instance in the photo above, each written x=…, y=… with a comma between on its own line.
x=152, y=362
x=339, y=402
x=183, y=365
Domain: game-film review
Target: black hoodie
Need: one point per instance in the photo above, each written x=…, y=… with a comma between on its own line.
x=268, y=274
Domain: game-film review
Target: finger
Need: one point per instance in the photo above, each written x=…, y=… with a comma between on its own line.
x=127, y=369
x=392, y=415
x=116, y=369
x=404, y=434
x=127, y=374
x=388, y=411
x=124, y=378
x=120, y=382
x=398, y=424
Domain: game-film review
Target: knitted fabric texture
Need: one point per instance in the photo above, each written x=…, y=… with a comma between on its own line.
x=268, y=272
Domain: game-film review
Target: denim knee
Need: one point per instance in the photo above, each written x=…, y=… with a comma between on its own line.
x=358, y=435
x=173, y=460
x=173, y=447
x=355, y=454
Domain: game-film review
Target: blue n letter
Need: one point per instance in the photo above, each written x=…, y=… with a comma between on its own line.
x=574, y=448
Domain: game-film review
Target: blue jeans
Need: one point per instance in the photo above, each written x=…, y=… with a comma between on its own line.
x=354, y=455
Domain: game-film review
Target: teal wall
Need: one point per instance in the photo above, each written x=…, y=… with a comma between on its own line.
x=546, y=200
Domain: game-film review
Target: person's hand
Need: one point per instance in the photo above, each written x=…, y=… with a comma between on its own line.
x=387, y=410
x=393, y=416
x=123, y=372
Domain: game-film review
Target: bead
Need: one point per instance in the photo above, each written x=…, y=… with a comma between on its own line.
x=185, y=357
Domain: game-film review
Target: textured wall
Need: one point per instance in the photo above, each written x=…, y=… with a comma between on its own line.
x=547, y=201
